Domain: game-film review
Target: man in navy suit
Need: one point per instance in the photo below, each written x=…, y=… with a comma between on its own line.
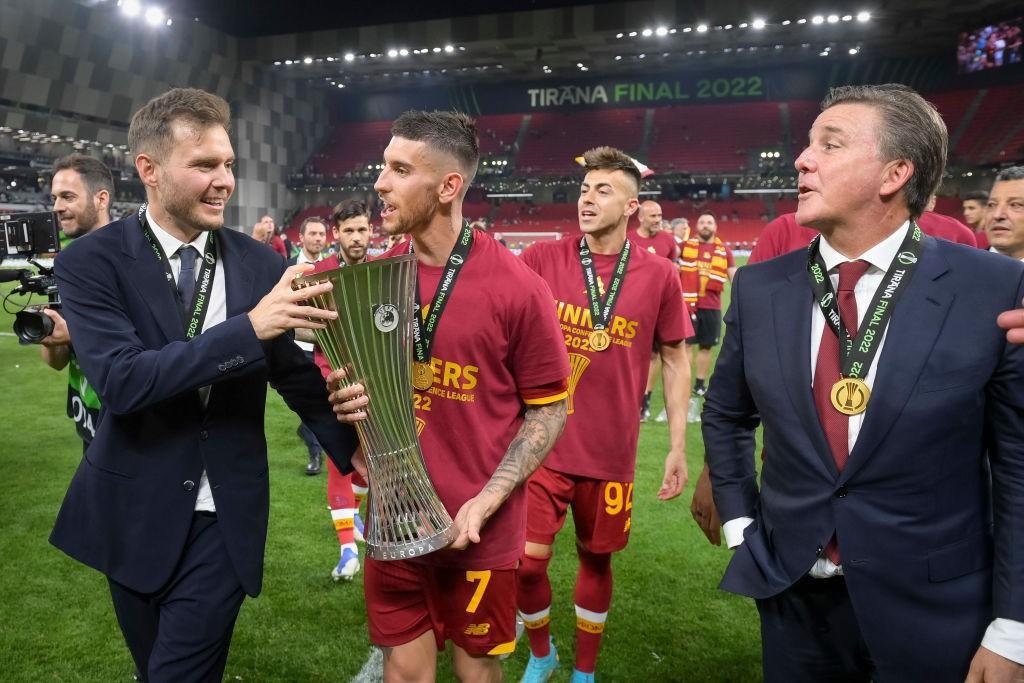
x=885, y=539
x=178, y=326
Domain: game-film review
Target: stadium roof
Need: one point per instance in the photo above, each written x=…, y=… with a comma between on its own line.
x=461, y=41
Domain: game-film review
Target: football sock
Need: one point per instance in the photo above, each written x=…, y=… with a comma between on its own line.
x=342, y=503
x=593, y=597
x=533, y=598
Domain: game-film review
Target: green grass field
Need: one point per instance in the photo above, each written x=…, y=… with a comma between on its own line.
x=668, y=620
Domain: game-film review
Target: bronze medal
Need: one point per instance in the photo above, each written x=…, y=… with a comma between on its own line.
x=600, y=340
x=850, y=395
x=422, y=376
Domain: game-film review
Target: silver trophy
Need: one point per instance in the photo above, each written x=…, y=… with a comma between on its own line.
x=372, y=340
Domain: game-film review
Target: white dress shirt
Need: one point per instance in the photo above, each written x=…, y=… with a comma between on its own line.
x=1004, y=636
x=215, y=314
x=299, y=260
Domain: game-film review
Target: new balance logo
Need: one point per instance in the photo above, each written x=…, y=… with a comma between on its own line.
x=477, y=629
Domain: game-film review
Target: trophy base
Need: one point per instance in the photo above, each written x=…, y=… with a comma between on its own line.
x=406, y=551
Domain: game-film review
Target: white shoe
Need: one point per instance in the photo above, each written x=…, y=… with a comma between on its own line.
x=662, y=416
x=693, y=414
x=348, y=566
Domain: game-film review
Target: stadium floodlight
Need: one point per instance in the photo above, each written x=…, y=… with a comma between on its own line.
x=287, y=62
x=672, y=31
x=341, y=85
x=687, y=29
x=847, y=17
x=277, y=63
x=758, y=24
x=392, y=53
x=131, y=8
x=801, y=21
x=641, y=56
x=170, y=21
x=404, y=52
x=817, y=20
x=449, y=48
x=646, y=33
x=863, y=16
x=854, y=50
x=743, y=25
x=155, y=16
x=632, y=34
x=619, y=35
x=618, y=58
x=349, y=57
x=661, y=31
x=702, y=28
x=823, y=53
x=307, y=60
x=727, y=27
x=833, y=18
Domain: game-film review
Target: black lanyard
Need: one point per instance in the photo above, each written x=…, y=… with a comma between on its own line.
x=195, y=315
x=601, y=313
x=423, y=333
x=857, y=354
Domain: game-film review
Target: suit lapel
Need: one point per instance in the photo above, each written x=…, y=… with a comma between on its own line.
x=913, y=330
x=147, y=274
x=238, y=276
x=792, y=306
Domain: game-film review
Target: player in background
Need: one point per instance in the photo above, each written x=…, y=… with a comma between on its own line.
x=614, y=301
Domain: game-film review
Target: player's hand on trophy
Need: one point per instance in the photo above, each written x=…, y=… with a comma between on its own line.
x=1013, y=323
x=282, y=308
x=676, y=475
x=471, y=518
x=349, y=402
x=704, y=511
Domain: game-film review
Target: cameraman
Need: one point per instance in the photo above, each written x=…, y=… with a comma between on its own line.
x=81, y=190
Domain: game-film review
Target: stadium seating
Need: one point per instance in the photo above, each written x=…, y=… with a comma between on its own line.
x=497, y=133
x=553, y=140
x=995, y=119
x=712, y=137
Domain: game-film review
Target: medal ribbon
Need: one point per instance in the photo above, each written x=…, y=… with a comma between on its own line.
x=601, y=313
x=423, y=333
x=860, y=352
x=195, y=314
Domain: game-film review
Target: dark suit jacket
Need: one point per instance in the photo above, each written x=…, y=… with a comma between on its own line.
x=913, y=508
x=128, y=509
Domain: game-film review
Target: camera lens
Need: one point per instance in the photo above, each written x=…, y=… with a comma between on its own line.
x=32, y=326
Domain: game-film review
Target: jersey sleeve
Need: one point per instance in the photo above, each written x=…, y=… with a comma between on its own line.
x=766, y=246
x=673, y=319
x=539, y=361
x=730, y=260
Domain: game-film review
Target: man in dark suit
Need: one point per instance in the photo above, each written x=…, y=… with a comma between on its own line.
x=884, y=541
x=178, y=326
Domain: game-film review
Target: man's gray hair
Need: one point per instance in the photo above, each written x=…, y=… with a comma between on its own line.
x=1011, y=173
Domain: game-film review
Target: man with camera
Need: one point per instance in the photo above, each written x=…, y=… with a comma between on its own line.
x=82, y=189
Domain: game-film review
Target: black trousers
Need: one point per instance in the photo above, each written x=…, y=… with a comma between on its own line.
x=183, y=631
x=809, y=632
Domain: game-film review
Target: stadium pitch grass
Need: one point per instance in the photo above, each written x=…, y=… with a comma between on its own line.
x=668, y=620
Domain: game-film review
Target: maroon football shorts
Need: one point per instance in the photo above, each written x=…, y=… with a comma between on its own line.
x=601, y=510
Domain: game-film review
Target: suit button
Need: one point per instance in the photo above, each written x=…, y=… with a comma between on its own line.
x=841, y=491
x=204, y=435
x=188, y=485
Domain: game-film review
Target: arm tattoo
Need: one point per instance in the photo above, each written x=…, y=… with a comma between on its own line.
x=540, y=429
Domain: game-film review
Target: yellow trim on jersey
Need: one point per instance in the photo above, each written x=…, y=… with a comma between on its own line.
x=545, y=400
x=503, y=649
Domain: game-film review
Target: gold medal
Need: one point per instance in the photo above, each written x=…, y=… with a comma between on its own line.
x=422, y=376
x=600, y=340
x=850, y=395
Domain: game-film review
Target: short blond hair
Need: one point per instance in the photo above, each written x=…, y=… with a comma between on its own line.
x=150, y=129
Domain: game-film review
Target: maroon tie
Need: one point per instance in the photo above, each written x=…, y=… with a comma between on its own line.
x=826, y=373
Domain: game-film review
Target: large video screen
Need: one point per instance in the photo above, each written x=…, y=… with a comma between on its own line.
x=991, y=47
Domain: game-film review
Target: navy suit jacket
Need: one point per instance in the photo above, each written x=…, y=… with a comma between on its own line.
x=129, y=506
x=939, y=458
